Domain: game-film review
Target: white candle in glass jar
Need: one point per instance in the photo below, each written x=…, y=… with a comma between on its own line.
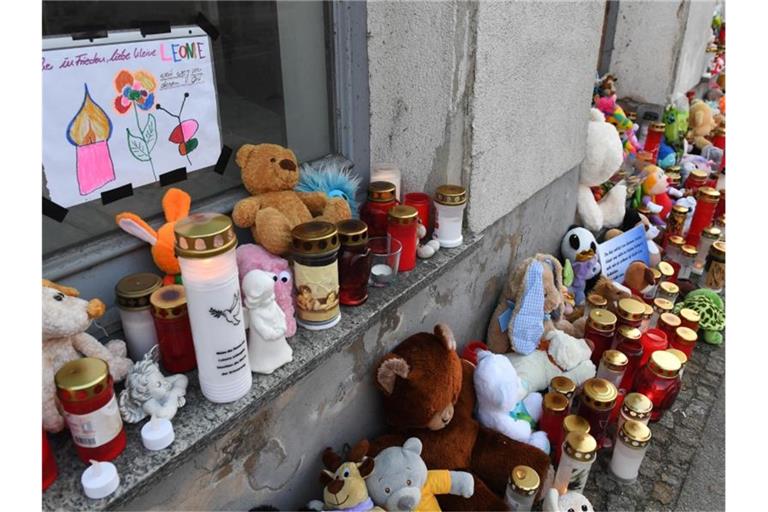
x=450, y=201
x=576, y=460
x=132, y=297
x=629, y=451
x=637, y=407
x=387, y=172
x=521, y=488
x=205, y=245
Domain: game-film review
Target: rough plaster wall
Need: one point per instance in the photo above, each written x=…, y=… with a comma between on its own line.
x=273, y=457
x=534, y=76
x=418, y=66
x=648, y=38
x=692, y=60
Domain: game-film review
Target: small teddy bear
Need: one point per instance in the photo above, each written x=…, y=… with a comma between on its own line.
x=401, y=481
x=65, y=319
x=270, y=173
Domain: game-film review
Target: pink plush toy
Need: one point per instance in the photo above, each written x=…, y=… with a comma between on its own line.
x=252, y=256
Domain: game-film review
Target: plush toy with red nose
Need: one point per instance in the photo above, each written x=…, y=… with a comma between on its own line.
x=270, y=173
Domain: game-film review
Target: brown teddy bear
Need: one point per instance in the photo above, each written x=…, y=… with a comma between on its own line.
x=531, y=305
x=429, y=394
x=65, y=319
x=270, y=173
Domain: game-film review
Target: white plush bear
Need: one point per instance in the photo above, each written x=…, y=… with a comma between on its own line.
x=603, y=157
x=503, y=400
x=571, y=358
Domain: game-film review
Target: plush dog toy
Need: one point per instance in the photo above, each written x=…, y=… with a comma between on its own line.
x=343, y=483
x=401, y=481
x=65, y=319
x=604, y=155
x=504, y=403
x=638, y=278
x=564, y=355
x=428, y=393
x=270, y=173
x=531, y=305
x=254, y=257
x=569, y=502
x=176, y=204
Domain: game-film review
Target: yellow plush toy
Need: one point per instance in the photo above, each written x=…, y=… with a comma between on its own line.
x=701, y=122
x=270, y=173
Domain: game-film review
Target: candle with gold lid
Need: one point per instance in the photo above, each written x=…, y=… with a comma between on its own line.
x=688, y=255
x=555, y=407
x=596, y=401
x=669, y=322
x=628, y=342
x=579, y=451
x=667, y=271
x=706, y=202
x=205, y=246
x=600, y=330
x=669, y=291
x=613, y=364
x=715, y=267
x=683, y=360
x=450, y=201
x=381, y=198
x=402, y=225
x=675, y=222
x=689, y=318
x=709, y=236
x=659, y=381
x=563, y=385
x=636, y=406
x=571, y=423
x=660, y=306
x=132, y=297
x=685, y=339
x=594, y=301
x=521, y=488
x=631, y=444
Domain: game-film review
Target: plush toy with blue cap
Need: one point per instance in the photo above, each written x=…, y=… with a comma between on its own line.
x=531, y=305
x=332, y=178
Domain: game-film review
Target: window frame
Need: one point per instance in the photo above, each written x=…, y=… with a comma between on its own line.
x=346, y=27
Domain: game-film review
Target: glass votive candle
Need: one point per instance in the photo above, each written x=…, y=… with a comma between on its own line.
x=174, y=333
x=553, y=410
x=714, y=278
x=594, y=301
x=381, y=198
x=354, y=262
x=132, y=297
x=709, y=236
x=683, y=360
x=668, y=290
x=673, y=255
x=630, y=313
x=631, y=444
x=600, y=330
x=613, y=364
x=450, y=201
x=669, y=322
x=659, y=381
x=647, y=317
x=689, y=318
x=660, y=306
x=385, y=260
x=384, y=171
x=637, y=407
x=686, y=262
x=521, y=488
x=579, y=451
x=563, y=385
x=667, y=274
x=628, y=342
x=684, y=340
x=571, y=423
x=402, y=225
x=652, y=340
x=675, y=222
x=422, y=202
x=596, y=401
x=706, y=203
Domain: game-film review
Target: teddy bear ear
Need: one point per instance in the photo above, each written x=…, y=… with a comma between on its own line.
x=66, y=290
x=413, y=445
x=392, y=367
x=444, y=332
x=241, y=158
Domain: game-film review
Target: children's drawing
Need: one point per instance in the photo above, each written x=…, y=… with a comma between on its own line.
x=89, y=131
x=138, y=91
x=184, y=132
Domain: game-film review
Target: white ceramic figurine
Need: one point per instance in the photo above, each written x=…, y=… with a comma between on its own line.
x=267, y=348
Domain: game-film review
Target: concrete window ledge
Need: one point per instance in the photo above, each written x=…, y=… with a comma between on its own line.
x=200, y=423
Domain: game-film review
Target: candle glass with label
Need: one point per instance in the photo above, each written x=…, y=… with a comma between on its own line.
x=132, y=298
x=205, y=246
x=85, y=391
x=354, y=262
x=659, y=382
x=675, y=222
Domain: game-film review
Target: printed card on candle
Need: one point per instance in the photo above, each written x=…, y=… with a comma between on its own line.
x=126, y=109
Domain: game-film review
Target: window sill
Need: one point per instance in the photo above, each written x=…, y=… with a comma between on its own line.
x=200, y=422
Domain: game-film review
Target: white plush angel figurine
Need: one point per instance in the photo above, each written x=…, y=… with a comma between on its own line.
x=267, y=348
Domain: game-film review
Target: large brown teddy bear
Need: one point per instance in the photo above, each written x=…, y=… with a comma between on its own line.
x=270, y=173
x=429, y=394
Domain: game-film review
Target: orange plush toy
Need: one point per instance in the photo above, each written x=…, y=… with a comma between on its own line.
x=176, y=204
x=270, y=173
x=429, y=394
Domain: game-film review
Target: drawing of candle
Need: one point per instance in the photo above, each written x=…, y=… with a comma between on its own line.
x=89, y=131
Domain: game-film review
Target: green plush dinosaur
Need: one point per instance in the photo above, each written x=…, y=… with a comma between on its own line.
x=711, y=309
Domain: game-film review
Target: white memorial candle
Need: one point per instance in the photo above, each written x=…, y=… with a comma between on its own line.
x=205, y=245
x=450, y=201
x=132, y=297
x=631, y=445
x=387, y=172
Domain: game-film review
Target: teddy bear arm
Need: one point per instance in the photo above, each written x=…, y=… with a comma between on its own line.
x=482, y=499
x=462, y=484
x=314, y=201
x=244, y=213
x=589, y=212
x=91, y=347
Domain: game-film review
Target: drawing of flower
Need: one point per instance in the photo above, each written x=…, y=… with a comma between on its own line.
x=138, y=90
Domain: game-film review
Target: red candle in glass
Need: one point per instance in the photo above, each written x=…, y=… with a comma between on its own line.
x=402, y=224
x=600, y=330
x=720, y=210
x=659, y=382
x=652, y=340
x=571, y=423
x=174, y=333
x=696, y=179
x=354, y=262
x=85, y=391
x=718, y=140
x=50, y=470
x=668, y=323
x=422, y=202
x=381, y=197
x=653, y=140
x=596, y=402
x=690, y=319
x=628, y=342
x=684, y=341
x=706, y=202
x=554, y=410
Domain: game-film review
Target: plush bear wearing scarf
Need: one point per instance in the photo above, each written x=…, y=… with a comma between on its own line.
x=530, y=306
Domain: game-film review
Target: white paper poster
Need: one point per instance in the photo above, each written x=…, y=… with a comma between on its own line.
x=125, y=112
